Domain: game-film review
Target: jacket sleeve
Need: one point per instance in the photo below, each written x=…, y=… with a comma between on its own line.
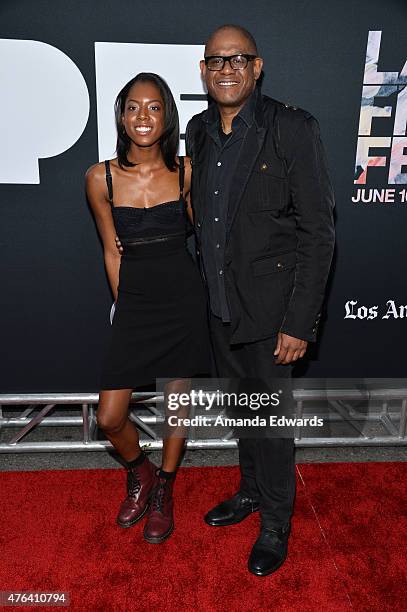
x=313, y=203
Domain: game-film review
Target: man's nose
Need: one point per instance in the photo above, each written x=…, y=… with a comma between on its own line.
x=227, y=67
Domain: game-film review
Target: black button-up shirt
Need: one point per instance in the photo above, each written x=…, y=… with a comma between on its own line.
x=223, y=157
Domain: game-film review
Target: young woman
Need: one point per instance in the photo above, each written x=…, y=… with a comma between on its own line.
x=160, y=327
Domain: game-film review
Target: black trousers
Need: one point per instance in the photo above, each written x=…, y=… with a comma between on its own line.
x=267, y=465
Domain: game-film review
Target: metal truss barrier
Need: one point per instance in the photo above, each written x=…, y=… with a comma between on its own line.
x=384, y=424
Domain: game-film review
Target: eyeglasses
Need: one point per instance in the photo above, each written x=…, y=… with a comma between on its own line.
x=236, y=62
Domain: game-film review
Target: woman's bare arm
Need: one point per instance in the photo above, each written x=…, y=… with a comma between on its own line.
x=187, y=189
x=96, y=191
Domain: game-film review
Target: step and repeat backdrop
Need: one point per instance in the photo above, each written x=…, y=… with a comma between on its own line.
x=61, y=66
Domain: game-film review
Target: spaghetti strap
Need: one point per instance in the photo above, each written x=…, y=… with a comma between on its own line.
x=109, y=181
x=181, y=175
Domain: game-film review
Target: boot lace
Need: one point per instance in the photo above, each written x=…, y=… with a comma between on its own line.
x=133, y=483
x=158, y=499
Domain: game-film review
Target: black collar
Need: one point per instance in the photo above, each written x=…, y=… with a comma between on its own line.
x=250, y=112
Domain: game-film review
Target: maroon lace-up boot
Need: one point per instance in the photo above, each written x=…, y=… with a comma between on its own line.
x=160, y=521
x=141, y=481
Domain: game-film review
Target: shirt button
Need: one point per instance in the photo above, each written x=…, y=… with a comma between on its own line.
x=221, y=272
x=216, y=192
x=216, y=218
x=219, y=164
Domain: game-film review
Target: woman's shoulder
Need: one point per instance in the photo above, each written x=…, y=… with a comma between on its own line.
x=187, y=163
x=188, y=166
x=187, y=160
x=97, y=171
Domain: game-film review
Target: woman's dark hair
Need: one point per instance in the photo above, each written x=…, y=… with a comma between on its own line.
x=170, y=138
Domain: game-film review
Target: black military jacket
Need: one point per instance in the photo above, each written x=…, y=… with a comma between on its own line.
x=279, y=229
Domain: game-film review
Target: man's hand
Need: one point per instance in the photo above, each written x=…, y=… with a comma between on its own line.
x=289, y=348
x=119, y=245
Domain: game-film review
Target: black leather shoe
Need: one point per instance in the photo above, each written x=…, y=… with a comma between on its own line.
x=269, y=551
x=231, y=511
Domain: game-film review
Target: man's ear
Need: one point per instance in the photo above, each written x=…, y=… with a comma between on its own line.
x=202, y=66
x=257, y=68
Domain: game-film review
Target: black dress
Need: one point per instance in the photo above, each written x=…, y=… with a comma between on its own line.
x=160, y=325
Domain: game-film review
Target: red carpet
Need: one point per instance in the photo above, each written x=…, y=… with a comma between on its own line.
x=347, y=550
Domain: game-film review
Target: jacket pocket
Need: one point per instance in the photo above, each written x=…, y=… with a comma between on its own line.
x=274, y=263
x=270, y=194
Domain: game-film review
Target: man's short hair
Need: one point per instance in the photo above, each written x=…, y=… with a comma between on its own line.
x=230, y=26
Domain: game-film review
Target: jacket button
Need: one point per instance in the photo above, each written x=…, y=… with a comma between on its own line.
x=198, y=224
x=279, y=265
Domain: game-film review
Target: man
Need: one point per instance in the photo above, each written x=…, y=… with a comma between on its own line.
x=263, y=206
